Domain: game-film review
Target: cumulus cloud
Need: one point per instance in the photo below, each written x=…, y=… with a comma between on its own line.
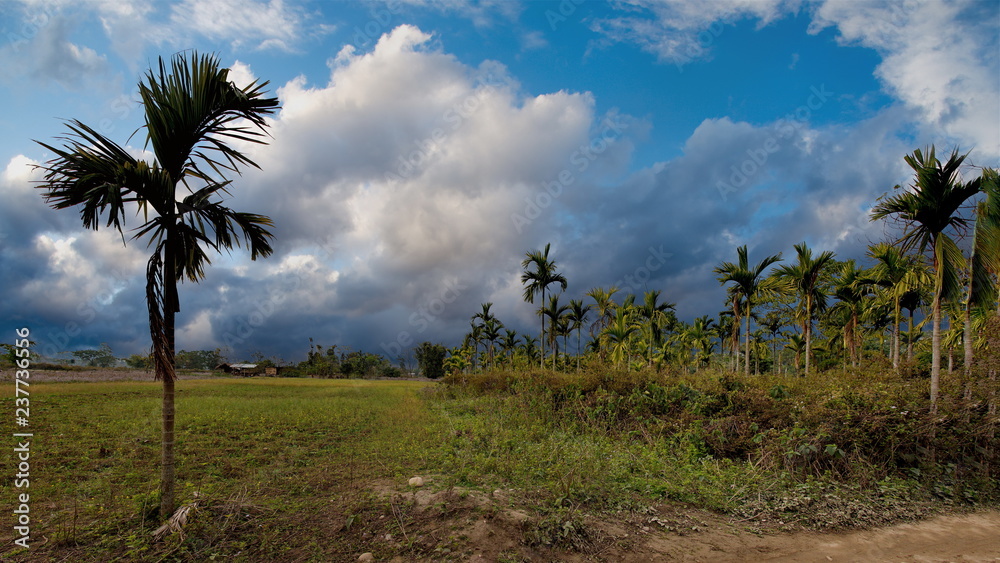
x=403, y=200
x=939, y=58
x=43, y=54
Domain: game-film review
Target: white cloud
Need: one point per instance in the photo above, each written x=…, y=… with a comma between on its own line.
x=264, y=24
x=681, y=31
x=46, y=55
x=241, y=75
x=938, y=58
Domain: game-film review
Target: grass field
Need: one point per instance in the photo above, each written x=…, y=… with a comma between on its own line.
x=262, y=457
x=316, y=470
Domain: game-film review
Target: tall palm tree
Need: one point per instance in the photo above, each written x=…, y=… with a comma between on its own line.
x=985, y=259
x=804, y=277
x=192, y=112
x=927, y=209
x=538, y=280
x=748, y=285
x=578, y=316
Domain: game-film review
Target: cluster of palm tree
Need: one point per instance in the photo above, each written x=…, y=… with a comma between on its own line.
x=807, y=314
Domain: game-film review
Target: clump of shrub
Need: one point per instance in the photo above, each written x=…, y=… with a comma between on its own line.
x=849, y=426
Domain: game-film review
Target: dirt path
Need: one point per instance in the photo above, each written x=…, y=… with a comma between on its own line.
x=970, y=537
x=480, y=527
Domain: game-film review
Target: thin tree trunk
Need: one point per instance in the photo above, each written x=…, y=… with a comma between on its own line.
x=747, y=351
x=541, y=337
x=935, y=350
x=170, y=307
x=579, y=338
x=909, y=343
x=895, y=336
x=808, y=331
x=967, y=338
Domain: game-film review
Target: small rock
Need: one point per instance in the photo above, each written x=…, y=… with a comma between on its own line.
x=416, y=481
x=388, y=537
x=366, y=557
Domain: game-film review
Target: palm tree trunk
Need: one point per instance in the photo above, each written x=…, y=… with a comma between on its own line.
x=909, y=343
x=936, y=349
x=967, y=341
x=747, y=351
x=808, y=331
x=895, y=335
x=170, y=306
x=579, y=341
x=541, y=337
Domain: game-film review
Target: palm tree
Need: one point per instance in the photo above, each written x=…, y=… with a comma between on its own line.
x=537, y=281
x=486, y=331
x=699, y=335
x=491, y=333
x=475, y=337
x=891, y=270
x=485, y=315
x=192, y=111
x=927, y=209
x=555, y=313
x=508, y=343
x=985, y=259
x=912, y=300
x=578, y=316
x=850, y=287
x=618, y=336
x=797, y=344
x=748, y=285
x=655, y=314
x=804, y=276
x=605, y=305
x=773, y=323
x=727, y=330
x=528, y=347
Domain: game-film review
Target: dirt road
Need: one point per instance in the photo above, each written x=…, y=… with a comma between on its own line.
x=971, y=537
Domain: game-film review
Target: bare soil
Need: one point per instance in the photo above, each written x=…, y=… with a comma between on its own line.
x=465, y=525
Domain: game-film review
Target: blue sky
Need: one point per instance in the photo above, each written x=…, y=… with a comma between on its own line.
x=424, y=146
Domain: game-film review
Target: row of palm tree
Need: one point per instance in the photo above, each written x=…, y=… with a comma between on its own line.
x=852, y=306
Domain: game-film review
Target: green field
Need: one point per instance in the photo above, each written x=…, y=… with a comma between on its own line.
x=266, y=455
x=303, y=469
